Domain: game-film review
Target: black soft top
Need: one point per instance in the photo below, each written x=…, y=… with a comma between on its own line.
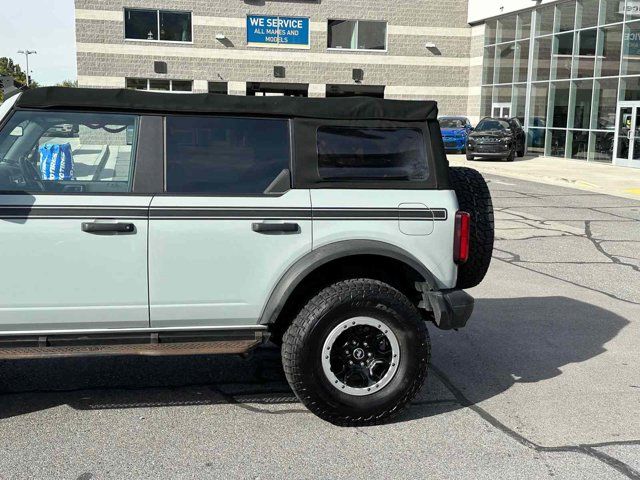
x=123, y=100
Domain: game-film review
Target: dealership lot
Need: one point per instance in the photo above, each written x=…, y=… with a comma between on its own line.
x=543, y=382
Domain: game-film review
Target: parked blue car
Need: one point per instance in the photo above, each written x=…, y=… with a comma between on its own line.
x=455, y=131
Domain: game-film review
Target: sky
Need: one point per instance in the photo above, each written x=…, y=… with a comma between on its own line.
x=46, y=26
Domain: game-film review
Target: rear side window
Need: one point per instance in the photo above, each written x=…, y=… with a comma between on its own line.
x=223, y=155
x=350, y=153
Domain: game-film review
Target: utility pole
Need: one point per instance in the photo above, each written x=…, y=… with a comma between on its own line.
x=26, y=53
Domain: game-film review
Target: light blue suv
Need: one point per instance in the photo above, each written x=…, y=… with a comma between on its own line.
x=455, y=132
x=209, y=224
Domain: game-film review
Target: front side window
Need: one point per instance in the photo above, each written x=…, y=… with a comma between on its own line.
x=346, y=153
x=357, y=35
x=66, y=152
x=223, y=155
x=163, y=25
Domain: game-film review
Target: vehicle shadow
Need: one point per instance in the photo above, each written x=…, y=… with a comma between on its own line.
x=507, y=341
x=520, y=340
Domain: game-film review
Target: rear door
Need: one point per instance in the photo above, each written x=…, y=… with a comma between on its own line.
x=74, y=238
x=229, y=226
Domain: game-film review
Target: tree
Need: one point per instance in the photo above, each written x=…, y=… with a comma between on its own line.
x=68, y=83
x=8, y=68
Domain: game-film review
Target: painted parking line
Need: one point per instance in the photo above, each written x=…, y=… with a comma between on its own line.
x=633, y=191
x=582, y=183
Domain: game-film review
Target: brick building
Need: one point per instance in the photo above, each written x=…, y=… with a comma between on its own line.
x=569, y=69
x=402, y=49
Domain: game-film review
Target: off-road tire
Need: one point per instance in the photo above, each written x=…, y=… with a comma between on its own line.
x=474, y=198
x=303, y=344
x=521, y=152
x=512, y=156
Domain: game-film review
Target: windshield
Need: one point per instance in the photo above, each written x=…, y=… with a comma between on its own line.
x=67, y=152
x=492, y=124
x=452, y=123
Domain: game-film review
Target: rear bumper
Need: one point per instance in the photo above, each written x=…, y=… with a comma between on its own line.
x=451, y=309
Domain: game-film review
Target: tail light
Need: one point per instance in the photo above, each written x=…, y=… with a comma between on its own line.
x=461, y=238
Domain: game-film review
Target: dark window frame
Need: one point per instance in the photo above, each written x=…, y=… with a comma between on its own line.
x=164, y=192
x=158, y=12
x=140, y=142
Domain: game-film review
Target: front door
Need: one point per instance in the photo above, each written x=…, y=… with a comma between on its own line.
x=229, y=226
x=627, y=142
x=501, y=110
x=73, y=238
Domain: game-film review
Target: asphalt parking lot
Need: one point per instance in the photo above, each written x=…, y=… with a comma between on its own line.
x=544, y=382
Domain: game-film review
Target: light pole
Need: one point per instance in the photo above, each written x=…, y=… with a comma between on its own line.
x=26, y=53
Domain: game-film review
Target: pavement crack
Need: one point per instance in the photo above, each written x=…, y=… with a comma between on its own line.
x=586, y=449
x=519, y=264
x=598, y=244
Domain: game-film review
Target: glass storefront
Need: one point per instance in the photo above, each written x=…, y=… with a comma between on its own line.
x=566, y=70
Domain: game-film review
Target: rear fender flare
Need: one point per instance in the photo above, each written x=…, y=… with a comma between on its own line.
x=323, y=255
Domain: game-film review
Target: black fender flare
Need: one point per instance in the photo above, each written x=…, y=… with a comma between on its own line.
x=325, y=254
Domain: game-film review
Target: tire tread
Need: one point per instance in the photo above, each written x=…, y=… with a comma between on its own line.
x=358, y=291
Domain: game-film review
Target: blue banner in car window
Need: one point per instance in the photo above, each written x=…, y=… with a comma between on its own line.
x=276, y=31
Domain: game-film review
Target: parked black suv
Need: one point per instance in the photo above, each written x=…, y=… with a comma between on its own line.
x=497, y=138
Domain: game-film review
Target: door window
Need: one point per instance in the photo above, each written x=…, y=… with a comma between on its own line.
x=66, y=152
x=223, y=155
x=501, y=111
x=625, y=133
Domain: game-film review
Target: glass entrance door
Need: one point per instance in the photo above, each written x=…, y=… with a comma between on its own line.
x=627, y=147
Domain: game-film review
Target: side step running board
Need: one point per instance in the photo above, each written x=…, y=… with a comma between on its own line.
x=149, y=345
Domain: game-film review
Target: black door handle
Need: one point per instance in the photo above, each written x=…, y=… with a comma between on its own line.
x=275, y=227
x=98, y=227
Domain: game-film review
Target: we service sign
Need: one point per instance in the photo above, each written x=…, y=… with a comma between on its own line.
x=277, y=31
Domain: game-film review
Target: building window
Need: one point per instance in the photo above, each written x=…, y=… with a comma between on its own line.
x=357, y=35
x=566, y=17
x=157, y=25
x=160, y=85
x=221, y=88
x=589, y=15
x=545, y=21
